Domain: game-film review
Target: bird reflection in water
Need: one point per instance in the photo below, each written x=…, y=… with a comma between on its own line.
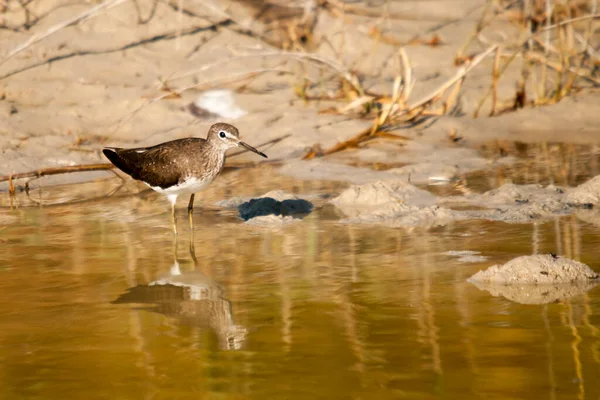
x=193, y=298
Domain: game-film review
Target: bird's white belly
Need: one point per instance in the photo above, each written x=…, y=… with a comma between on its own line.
x=189, y=186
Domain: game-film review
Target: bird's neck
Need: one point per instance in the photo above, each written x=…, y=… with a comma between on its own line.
x=215, y=161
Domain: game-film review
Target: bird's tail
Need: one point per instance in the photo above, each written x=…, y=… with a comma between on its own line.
x=112, y=153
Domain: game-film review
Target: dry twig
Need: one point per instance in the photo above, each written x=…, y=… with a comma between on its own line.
x=56, y=171
x=495, y=76
x=461, y=73
x=52, y=30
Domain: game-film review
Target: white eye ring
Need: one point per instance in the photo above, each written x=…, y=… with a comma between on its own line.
x=222, y=135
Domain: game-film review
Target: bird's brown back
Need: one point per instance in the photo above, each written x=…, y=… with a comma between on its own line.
x=169, y=163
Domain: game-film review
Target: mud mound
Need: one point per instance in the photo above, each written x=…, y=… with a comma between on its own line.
x=510, y=193
x=538, y=270
x=394, y=203
x=381, y=198
x=515, y=203
x=413, y=216
x=587, y=193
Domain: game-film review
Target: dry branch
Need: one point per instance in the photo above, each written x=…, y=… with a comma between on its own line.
x=375, y=12
x=461, y=73
x=495, y=77
x=406, y=75
x=363, y=136
x=52, y=30
x=340, y=70
x=562, y=68
x=57, y=171
x=391, y=111
x=559, y=68
x=562, y=23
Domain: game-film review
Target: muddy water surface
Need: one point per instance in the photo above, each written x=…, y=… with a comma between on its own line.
x=99, y=301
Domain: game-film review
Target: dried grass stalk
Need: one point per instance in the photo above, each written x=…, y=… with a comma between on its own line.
x=52, y=30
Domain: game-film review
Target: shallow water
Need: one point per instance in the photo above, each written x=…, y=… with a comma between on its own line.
x=316, y=309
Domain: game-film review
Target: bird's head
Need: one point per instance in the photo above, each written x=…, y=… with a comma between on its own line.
x=227, y=136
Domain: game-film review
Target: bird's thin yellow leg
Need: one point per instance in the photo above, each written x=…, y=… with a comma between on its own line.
x=190, y=216
x=173, y=200
x=190, y=212
x=191, y=203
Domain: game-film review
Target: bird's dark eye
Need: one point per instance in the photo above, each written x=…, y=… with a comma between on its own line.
x=222, y=135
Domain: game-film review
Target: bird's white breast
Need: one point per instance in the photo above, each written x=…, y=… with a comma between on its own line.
x=188, y=186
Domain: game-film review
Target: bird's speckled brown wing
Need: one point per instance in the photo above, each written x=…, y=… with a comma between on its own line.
x=157, y=165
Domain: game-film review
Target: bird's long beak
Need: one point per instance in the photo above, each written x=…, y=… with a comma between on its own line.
x=252, y=149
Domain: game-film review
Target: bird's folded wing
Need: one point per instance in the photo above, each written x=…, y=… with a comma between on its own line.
x=151, y=165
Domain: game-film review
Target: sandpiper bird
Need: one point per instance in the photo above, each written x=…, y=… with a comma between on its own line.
x=182, y=166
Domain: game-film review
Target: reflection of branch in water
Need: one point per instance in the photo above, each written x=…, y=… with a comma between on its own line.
x=466, y=320
x=348, y=309
x=353, y=246
x=575, y=347
x=551, y=377
x=193, y=298
x=428, y=332
x=592, y=328
x=576, y=229
x=286, y=309
x=351, y=326
x=535, y=239
x=42, y=202
x=567, y=240
x=144, y=359
x=559, y=248
x=432, y=329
